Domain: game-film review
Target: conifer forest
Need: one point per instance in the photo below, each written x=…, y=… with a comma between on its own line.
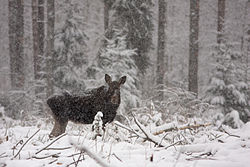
x=125, y=83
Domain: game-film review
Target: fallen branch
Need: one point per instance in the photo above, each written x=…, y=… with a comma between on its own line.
x=171, y=145
x=51, y=143
x=116, y=157
x=181, y=128
x=51, y=162
x=148, y=136
x=123, y=126
x=75, y=162
x=3, y=155
x=26, y=143
x=63, y=148
x=223, y=130
x=200, y=158
x=74, y=154
x=79, y=158
x=91, y=155
x=52, y=155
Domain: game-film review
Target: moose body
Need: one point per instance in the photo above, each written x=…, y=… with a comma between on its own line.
x=83, y=108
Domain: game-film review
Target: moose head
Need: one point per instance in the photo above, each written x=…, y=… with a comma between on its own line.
x=113, y=92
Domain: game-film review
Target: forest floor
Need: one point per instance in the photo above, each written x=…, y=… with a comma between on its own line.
x=19, y=148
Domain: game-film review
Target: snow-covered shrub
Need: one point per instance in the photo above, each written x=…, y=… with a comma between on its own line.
x=226, y=90
x=179, y=106
x=233, y=119
x=97, y=125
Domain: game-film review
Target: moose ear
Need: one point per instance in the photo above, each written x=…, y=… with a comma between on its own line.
x=122, y=80
x=108, y=78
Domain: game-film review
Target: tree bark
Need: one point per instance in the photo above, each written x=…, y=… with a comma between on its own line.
x=16, y=50
x=38, y=53
x=35, y=37
x=107, y=7
x=220, y=21
x=50, y=45
x=193, y=46
x=160, y=71
x=40, y=31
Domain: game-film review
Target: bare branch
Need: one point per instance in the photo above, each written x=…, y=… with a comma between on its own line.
x=63, y=148
x=91, y=155
x=26, y=143
x=51, y=143
x=52, y=155
x=150, y=137
x=116, y=157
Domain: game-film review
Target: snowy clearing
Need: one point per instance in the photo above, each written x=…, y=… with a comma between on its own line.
x=231, y=149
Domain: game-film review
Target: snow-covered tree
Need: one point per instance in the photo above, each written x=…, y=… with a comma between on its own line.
x=225, y=89
x=70, y=51
x=116, y=60
x=134, y=17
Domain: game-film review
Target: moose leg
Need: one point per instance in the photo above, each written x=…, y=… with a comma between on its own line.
x=59, y=128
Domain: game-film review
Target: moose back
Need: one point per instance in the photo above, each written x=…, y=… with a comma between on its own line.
x=83, y=108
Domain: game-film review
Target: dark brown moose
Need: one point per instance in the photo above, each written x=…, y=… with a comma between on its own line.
x=83, y=108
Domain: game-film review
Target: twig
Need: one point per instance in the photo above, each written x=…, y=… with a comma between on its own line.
x=116, y=157
x=53, y=161
x=73, y=154
x=78, y=159
x=123, y=126
x=51, y=143
x=52, y=155
x=75, y=162
x=26, y=143
x=130, y=129
x=229, y=133
x=172, y=144
x=4, y=156
x=91, y=155
x=3, y=153
x=200, y=158
x=148, y=135
x=63, y=148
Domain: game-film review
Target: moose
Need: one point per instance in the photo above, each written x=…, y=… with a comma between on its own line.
x=83, y=108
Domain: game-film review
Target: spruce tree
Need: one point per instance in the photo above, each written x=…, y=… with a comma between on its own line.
x=134, y=17
x=116, y=60
x=225, y=89
x=70, y=51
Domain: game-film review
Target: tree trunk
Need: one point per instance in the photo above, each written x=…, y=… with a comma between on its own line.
x=35, y=37
x=16, y=50
x=40, y=31
x=50, y=45
x=220, y=21
x=38, y=41
x=193, y=46
x=107, y=6
x=161, y=48
x=38, y=53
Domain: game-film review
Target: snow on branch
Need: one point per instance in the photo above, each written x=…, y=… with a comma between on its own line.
x=92, y=155
x=148, y=136
x=173, y=127
x=44, y=148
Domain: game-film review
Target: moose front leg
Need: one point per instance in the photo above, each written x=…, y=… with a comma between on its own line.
x=59, y=128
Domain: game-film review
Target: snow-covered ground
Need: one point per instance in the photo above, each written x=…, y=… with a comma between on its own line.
x=211, y=148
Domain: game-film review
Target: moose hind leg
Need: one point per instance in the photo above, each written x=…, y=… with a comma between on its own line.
x=59, y=128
